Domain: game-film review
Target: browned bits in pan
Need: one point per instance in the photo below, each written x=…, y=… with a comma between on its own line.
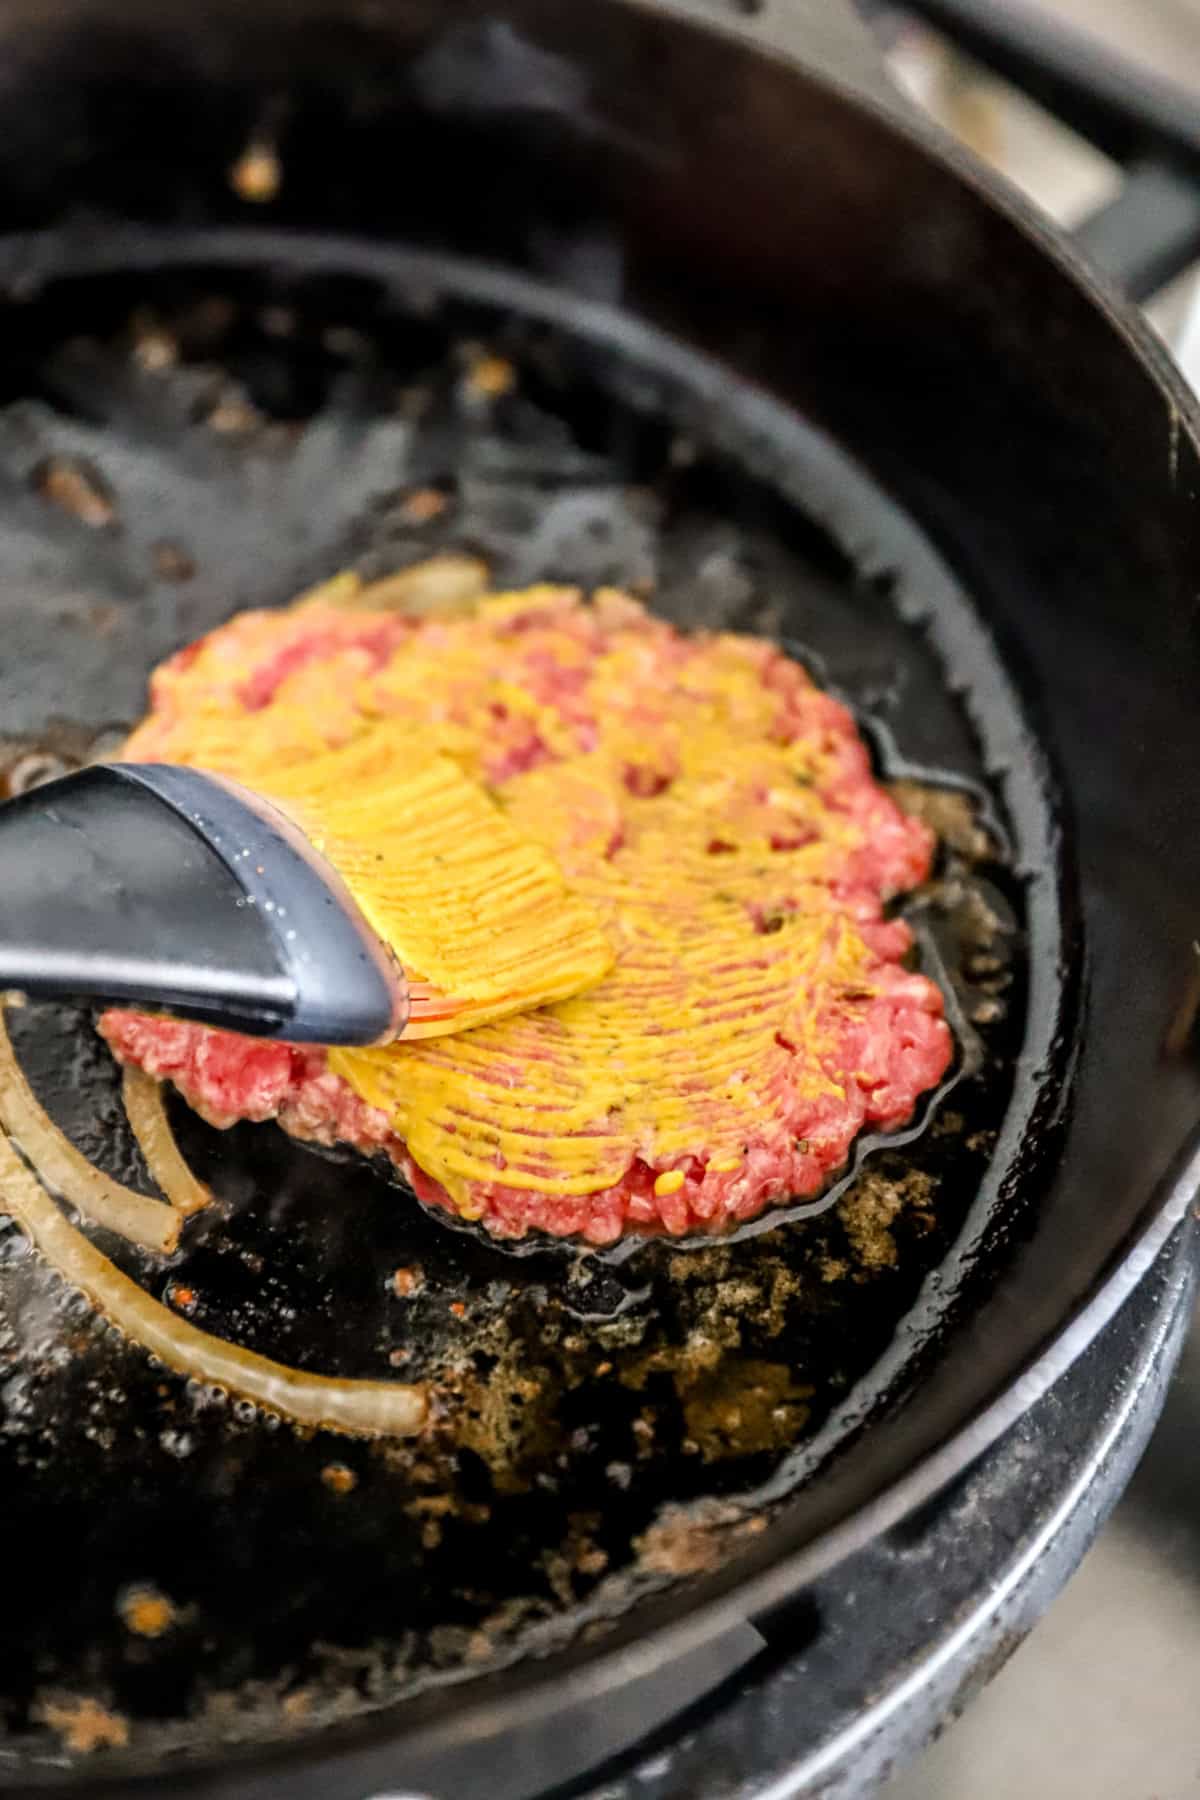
x=233, y=415
x=83, y=1724
x=339, y=1479
x=257, y=175
x=146, y=1612
x=154, y=348
x=171, y=563
x=490, y=377
x=76, y=488
x=423, y=505
x=678, y=1544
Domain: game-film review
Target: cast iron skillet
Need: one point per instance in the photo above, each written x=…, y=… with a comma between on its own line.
x=702, y=256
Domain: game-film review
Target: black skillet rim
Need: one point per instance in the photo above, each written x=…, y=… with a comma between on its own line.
x=701, y=1611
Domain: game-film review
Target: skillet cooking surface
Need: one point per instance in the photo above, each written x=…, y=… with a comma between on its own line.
x=182, y=441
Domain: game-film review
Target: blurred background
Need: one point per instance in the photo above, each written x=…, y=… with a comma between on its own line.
x=1103, y=1700
x=1067, y=176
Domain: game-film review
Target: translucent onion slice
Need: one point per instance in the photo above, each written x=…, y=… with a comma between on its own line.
x=356, y=1408
x=151, y=1223
x=442, y=586
x=147, y=1114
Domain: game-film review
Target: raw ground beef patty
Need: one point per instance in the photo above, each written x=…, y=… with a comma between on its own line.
x=717, y=810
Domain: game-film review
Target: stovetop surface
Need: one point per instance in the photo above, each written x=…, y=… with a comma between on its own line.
x=1100, y=1700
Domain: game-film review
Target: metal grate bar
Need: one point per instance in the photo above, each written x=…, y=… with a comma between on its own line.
x=1149, y=232
x=1132, y=116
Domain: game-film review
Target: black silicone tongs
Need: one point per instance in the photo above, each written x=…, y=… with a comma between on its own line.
x=168, y=888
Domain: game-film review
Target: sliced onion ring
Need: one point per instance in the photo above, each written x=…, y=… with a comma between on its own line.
x=143, y=1097
x=356, y=1408
x=151, y=1223
x=442, y=586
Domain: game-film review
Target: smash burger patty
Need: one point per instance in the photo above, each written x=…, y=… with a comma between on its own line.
x=717, y=810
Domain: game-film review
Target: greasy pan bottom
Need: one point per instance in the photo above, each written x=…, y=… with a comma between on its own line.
x=190, y=429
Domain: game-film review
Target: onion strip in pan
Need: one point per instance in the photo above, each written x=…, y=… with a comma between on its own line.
x=136, y=1217
x=143, y=1097
x=357, y=1408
